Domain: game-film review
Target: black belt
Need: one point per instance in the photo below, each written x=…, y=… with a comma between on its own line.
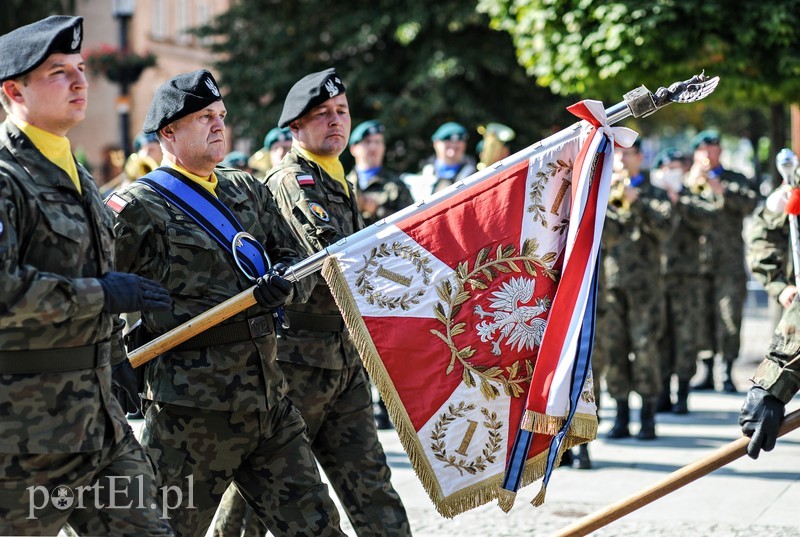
x=224, y=334
x=54, y=360
x=315, y=322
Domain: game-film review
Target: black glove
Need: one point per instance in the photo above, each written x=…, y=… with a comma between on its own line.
x=760, y=418
x=125, y=293
x=125, y=385
x=272, y=290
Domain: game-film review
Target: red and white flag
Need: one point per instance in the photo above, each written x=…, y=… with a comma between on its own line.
x=450, y=304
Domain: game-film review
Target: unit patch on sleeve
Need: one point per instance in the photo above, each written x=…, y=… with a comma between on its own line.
x=319, y=212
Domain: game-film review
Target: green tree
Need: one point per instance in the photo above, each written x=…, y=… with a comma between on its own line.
x=16, y=13
x=604, y=47
x=411, y=64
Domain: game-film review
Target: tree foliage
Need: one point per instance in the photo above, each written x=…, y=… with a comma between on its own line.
x=580, y=45
x=411, y=64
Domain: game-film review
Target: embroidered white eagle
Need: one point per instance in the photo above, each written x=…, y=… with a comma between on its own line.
x=517, y=322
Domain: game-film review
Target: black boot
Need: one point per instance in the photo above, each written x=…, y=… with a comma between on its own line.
x=584, y=462
x=682, y=404
x=707, y=381
x=664, y=403
x=382, y=420
x=727, y=379
x=648, y=418
x=567, y=458
x=621, y=421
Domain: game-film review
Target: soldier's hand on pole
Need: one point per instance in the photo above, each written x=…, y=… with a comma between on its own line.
x=272, y=290
x=760, y=418
x=124, y=293
x=125, y=386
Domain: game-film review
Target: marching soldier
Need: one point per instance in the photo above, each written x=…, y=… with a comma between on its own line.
x=776, y=380
x=215, y=409
x=727, y=278
x=325, y=376
x=63, y=432
x=633, y=299
x=692, y=214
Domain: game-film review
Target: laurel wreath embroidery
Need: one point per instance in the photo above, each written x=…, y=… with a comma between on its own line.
x=490, y=449
x=484, y=271
x=537, y=207
x=367, y=289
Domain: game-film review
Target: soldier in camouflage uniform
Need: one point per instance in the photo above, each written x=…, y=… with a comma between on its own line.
x=325, y=376
x=216, y=410
x=633, y=300
x=692, y=215
x=777, y=379
x=63, y=432
x=380, y=191
x=728, y=278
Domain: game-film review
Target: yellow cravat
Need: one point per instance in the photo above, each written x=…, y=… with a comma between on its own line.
x=55, y=148
x=209, y=183
x=331, y=165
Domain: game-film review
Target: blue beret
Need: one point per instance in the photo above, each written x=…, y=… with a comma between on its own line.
x=665, y=156
x=277, y=134
x=310, y=91
x=368, y=128
x=26, y=48
x=235, y=159
x=710, y=137
x=180, y=96
x=455, y=132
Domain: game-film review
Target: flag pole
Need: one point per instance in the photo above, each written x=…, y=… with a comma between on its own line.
x=639, y=102
x=677, y=479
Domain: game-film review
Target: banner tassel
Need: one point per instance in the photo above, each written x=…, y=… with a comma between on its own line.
x=538, y=500
x=505, y=499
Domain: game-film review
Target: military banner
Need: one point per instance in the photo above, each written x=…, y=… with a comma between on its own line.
x=451, y=305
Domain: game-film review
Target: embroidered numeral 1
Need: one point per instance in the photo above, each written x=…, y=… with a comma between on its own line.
x=462, y=449
x=565, y=183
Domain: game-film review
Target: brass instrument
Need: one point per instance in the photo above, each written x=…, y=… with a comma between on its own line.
x=697, y=178
x=620, y=179
x=260, y=161
x=495, y=138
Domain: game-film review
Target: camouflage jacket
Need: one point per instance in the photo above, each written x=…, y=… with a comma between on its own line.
x=779, y=373
x=159, y=241
x=321, y=213
x=685, y=247
x=54, y=244
x=725, y=239
x=768, y=251
x=388, y=191
x=635, y=259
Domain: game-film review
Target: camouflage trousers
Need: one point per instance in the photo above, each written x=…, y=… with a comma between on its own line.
x=337, y=406
x=684, y=325
x=633, y=325
x=108, y=492
x=198, y=453
x=725, y=296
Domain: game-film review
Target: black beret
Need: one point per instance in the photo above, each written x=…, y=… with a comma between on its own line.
x=26, y=48
x=180, y=96
x=310, y=91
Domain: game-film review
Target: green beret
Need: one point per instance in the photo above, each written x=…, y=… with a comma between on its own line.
x=277, y=134
x=368, y=128
x=180, y=96
x=452, y=131
x=235, y=159
x=310, y=91
x=667, y=155
x=26, y=48
x=710, y=137
x=143, y=139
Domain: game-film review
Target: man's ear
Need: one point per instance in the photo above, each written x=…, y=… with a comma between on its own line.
x=11, y=89
x=168, y=132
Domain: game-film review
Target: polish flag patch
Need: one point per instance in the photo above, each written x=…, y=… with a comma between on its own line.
x=305, y=180
x=116, y=203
